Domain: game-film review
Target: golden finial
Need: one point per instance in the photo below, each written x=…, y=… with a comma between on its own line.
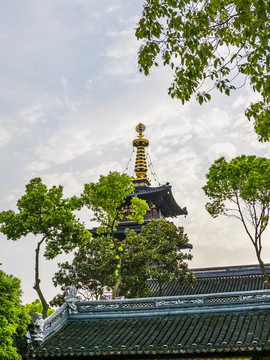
x=140, y=165
x=140, y=128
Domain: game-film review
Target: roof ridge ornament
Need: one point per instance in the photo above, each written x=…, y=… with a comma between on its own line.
x=70, y=298
x=38, y=329
x=140, y=164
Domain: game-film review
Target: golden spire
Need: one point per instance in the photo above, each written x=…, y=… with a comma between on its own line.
x=140, y=165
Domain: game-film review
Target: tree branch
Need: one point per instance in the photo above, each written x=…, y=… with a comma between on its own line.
x=37, y=280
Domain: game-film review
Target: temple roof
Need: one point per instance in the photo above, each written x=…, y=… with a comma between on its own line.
x=216, y=280
x=194, y=325
x=229, y=323
x=161, y=197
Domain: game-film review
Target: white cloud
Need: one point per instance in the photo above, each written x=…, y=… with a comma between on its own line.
x=89, y=84
x=5, y=137
x=36, y=167
x=112, y=8
x=65, y=82
x=63, y=147
x=122, y=53
x=32, y=114
x=71, y=97
x=217, y=150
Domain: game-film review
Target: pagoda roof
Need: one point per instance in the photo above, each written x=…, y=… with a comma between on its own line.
x=234, y=324
x=161, y=197
x=121, y=228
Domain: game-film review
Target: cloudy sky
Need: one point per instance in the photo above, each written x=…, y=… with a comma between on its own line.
x=71, y=96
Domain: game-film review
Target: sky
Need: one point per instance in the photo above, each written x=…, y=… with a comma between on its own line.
x=71, y=96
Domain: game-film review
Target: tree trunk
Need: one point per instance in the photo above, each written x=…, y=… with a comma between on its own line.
x=119, y=280
x=116, y=287
x=36, y=286
x=265, y=275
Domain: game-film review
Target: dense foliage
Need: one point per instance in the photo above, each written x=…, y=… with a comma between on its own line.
x=106, y=199
x=13, y=317
x=152, y=253
x=46, y=214
x=165, y=260
x=241, y=188
x=36, y=307
x=91, y=270
x=208, y=43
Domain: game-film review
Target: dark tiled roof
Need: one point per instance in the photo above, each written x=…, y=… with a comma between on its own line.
x=188, y=326
x=120, y=232
x=216, y=280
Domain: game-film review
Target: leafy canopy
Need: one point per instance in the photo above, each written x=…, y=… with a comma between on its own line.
x=241, y=188
x=165, y=261
x=152, y=253
x=13, y=317
x=46, y=214
x=91, y=270
x=36, y=307
x=106, y=199
x=95, y=269
x=210, y=42
x=245, y=179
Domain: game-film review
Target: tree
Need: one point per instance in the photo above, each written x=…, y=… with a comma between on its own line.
x=46, y=214
x=244, y=185
x=106, y=199
x=152, y=253
x=94, y=270
x=165, y=262
x=210, y=42
x=36, y=307
x=13, y=317
x=91, y=271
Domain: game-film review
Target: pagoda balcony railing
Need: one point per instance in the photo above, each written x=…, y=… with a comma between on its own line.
x=147, y=217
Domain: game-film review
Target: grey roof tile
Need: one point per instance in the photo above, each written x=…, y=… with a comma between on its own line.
x=190, y=325
x=215, y=280
x=235, y=324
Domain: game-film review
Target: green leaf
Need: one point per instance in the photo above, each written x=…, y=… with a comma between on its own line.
x=191, y=41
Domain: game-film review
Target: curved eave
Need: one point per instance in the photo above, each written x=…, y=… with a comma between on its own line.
x=161, y=197
x=120, y=233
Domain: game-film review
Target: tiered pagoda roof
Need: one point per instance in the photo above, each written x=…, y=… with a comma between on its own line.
x=159, y=198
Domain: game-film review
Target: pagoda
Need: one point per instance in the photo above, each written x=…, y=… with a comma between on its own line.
x=225, y=316
x=160, y=200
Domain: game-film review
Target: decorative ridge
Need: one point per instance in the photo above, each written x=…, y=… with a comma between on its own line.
x=167, y=302
x=230, y=271
x=55, y=320
x=159, y=306
x=174, y=302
